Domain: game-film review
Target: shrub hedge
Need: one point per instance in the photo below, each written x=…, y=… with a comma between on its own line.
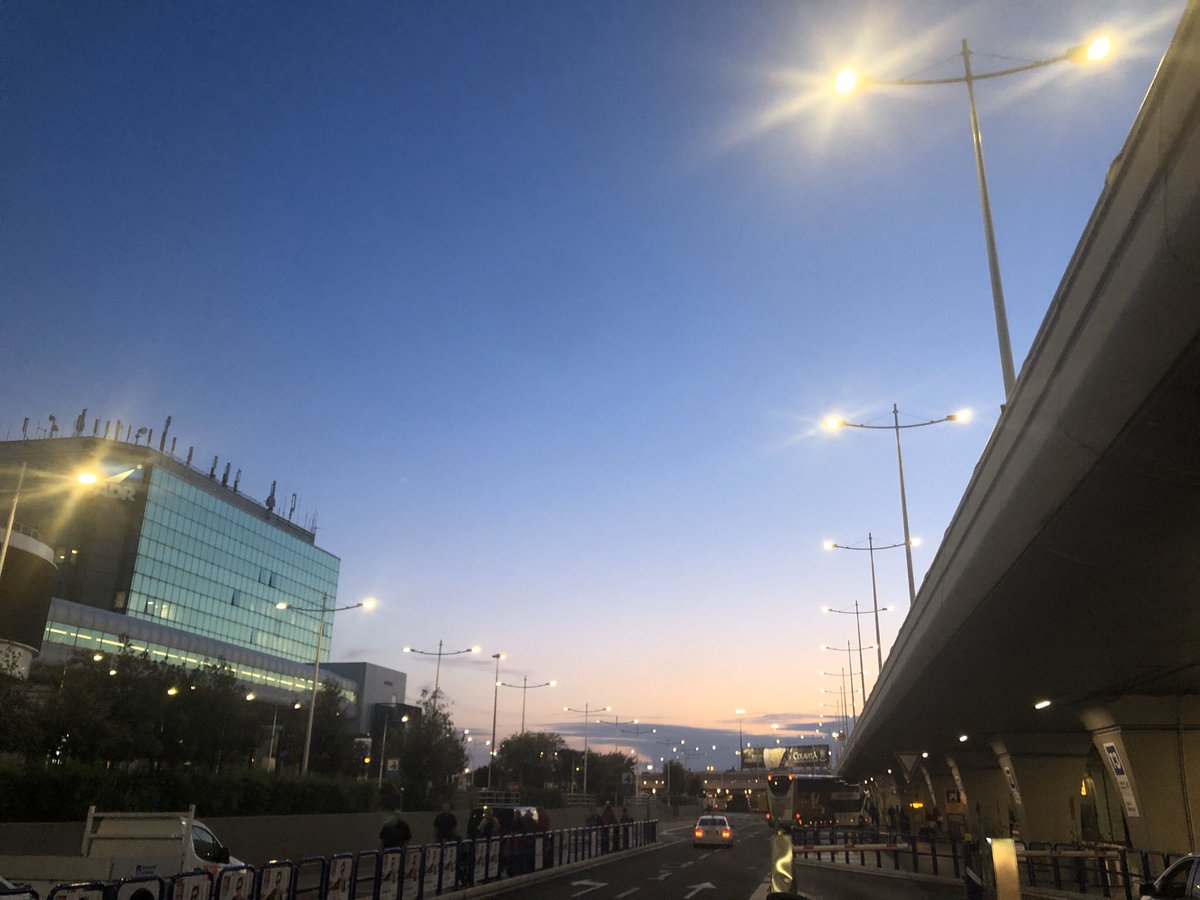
x=64, y=793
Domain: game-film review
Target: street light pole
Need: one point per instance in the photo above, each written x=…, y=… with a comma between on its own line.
x=439, y=653
x=875, y=608
x=312, y=703
x=989, y=235
x=834, y=423
x=847, y=80
x=912, y=587
x=850, y=651
x=383, y=741
x=368, y=604
x=587, y=709
x=525, y=687
x=12, y=518
x=495, y=703
x=741, y=754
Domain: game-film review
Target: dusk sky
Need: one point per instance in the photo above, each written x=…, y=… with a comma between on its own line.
x=538, y=306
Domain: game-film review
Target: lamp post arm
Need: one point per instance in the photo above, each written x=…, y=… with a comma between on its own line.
x=983, y=76
x=893, y=427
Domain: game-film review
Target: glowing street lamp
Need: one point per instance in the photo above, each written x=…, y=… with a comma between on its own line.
x=847, y=80
x=836, y=423
x=368, y=604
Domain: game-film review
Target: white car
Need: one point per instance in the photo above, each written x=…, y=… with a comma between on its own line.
x=712, y=830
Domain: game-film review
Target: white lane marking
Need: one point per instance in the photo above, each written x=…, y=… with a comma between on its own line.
x=662, y=876
x=697, y=888
x=627, y=893
x=590, y=886
x=684, y=865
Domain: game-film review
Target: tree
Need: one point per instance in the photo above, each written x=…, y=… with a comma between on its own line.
x=606, y=774
x=432, y=754
x=529, y=758
x=331, y=750
x=675, y=775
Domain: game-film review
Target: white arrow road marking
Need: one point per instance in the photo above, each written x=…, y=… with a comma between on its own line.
x=589, y=886
x=661, y=876
x=697, y=888
x=627, y=893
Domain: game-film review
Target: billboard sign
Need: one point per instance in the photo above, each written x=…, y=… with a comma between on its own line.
x=791, y=757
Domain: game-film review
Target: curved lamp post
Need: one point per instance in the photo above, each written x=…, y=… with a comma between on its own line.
x=875, y=607
x=525, y=687
x=848, y=80
x=859, y=650
x=587, y=711
x=368, y=604
x=835, y=423
x=439, y=653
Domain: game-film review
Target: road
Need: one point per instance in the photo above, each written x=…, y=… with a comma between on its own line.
x=674, y=870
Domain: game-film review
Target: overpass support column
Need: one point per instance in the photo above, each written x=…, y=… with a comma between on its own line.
x=985, y=792
x=1150, y=749
x=1043, y=773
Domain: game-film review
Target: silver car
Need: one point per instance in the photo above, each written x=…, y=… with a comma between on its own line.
x=712, y=830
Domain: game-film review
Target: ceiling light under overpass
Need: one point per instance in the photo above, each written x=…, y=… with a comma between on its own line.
x=1041, y=704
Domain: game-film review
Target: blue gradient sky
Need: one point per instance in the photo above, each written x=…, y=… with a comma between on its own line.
x=539, y=305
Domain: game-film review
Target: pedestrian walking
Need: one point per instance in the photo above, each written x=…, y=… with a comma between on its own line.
x=445, y=825
x=608, y=819
x=395, y=833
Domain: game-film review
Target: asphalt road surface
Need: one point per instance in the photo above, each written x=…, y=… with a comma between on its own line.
x=673, y=870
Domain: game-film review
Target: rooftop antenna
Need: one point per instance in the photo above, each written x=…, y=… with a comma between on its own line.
x=53, y=426
x=149, y=437
x=107, y=427
x=313, y=529
x=270, y=504
x=128, y=432
x=173, y=440
x=138, y=437
x=117, y=436
x=236, y=479
x=212, y=473
x=292, y=508
x=225, y=477
x=25, y=429
x=96, y=428
x=190, y=451
x=80, y=423
x=162, y=441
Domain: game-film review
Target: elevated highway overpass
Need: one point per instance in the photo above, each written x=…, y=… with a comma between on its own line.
x=1071, y=569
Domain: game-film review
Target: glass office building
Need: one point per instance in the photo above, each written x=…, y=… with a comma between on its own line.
x=148, y=537
x=206, y=566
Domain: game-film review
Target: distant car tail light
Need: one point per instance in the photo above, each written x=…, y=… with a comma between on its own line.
x=699, y=832
x=726, y=833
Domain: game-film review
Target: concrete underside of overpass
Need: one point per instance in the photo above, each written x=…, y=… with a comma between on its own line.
x=1071, y=570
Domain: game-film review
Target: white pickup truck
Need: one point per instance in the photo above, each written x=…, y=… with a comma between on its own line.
x=125, y=845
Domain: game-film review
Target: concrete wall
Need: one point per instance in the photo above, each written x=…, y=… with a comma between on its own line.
x=254, y=839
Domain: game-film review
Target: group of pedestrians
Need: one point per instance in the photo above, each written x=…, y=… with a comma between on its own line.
x=611, y=837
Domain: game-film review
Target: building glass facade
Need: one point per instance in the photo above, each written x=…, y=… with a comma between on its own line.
x=209, y=567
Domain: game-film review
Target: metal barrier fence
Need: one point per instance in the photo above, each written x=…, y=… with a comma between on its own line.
x=399, y=873
x=1101, y=871
x=879, y=851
